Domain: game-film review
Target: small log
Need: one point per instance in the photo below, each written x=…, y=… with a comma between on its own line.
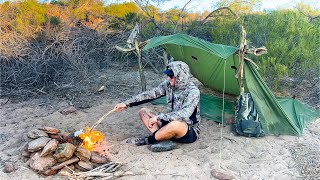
x=50, y=172
x=54, y=169
x=83, y=154
x=50, y=130
x=64, y=152
x=66, y=171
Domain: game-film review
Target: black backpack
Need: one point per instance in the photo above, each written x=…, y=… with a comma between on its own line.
x=247, y=122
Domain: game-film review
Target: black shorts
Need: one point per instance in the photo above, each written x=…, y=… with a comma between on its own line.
x=190, y=136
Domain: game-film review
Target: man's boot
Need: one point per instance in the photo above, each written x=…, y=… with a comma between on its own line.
x=138, y=141
x=163, y=146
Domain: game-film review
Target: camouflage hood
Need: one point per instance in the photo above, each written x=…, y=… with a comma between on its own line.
x=181, y=72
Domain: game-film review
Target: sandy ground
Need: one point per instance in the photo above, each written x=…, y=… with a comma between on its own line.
x=271, y=157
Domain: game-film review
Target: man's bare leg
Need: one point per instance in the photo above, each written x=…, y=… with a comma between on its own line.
x=145, y=114
x=174, y=129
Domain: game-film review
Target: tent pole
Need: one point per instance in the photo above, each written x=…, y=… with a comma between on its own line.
x=222, y=113
x=242, y=51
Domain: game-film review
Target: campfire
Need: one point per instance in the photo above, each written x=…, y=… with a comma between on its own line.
x=90, y=138
x=54, y=152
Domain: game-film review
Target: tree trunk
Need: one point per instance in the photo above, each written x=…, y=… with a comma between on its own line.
x=165, y=58
x=141, y=71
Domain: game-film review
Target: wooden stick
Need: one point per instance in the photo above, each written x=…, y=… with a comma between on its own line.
x=62, y=165
x=102, y=118
x=53, y=170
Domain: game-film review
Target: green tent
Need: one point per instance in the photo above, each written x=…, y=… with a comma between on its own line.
x=215, y=66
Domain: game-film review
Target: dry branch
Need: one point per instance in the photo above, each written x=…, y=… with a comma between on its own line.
x=70, y=161
x=106, y=171
x=140, y=46
x=180, y=14
x=219, y=9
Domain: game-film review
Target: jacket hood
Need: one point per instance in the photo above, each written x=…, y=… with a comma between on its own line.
x=181, y=72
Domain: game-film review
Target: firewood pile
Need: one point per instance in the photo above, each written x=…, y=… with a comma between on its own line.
x=51, y=151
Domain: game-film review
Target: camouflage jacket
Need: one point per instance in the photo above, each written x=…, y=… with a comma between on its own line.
x=183, y=99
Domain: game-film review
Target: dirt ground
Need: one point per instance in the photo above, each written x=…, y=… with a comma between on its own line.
x=271, y=157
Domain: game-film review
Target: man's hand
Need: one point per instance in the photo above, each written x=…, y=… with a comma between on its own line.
x=152, y=121
x=120, y=107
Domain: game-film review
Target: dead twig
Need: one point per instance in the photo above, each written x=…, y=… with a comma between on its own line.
x=106, y=171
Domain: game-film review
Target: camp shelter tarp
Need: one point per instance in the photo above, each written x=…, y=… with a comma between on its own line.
x=205, y=59
x=278, y=116
x=210, y=107
x=212, y=63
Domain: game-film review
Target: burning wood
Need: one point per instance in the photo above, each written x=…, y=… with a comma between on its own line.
x=90, y=138
x=52, y=150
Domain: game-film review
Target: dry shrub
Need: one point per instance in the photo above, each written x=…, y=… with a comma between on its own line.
x=63, y=62
x=13, y=47
x=71, y=56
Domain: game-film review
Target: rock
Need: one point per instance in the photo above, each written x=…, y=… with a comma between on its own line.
x=49, y=148
x=102, y=88
x=85, y=165
x=27, y=163
x=36, y=133
x=79, y=167
x=68, y=110
x=66, y=137
x=102, y=148
x=50, y=130
x=25, y=153
x=55, y=136
x=221, y=174
x=83, y=154
x=41, y=164
x=38, y=144
x=96, y=158
x=8, y=167
x=95, y=164
x=64, y=152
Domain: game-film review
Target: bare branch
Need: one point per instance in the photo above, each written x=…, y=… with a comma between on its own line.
x=219, y=9
x=180, y=14
x=311, y=18
x=141, y=45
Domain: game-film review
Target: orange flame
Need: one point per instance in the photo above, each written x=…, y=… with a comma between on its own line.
x=90, y=138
